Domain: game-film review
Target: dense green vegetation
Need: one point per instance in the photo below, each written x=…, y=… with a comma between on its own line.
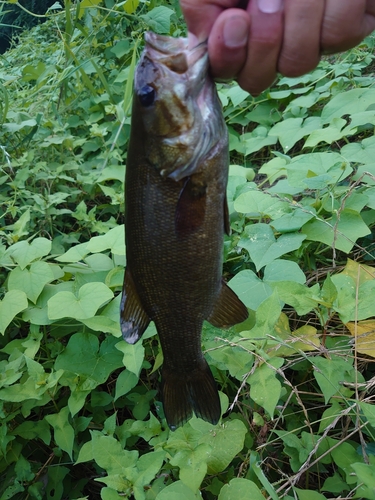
x=17, y=16
x=79, y=410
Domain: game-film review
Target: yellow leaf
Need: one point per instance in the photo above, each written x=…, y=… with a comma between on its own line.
x=86, y=4
x=130, y=6
x=364, y=333
x=360, y=273
x=306, y=338
x=302, y=339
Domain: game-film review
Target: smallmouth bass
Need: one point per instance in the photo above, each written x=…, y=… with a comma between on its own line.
x=175, y=217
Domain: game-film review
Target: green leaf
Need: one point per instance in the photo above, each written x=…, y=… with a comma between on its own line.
x=55, y=485
x=90, y=297
x=192, y=465
x=265, y=388
x=63, y=431
x=334, y=132
x=316, y=170
x=292, y=221
x=23, y=470
x=291, y=130
x=239, y=488
x=83, y=356
x=13, y=302
x=347, y=103
x=113, y=240
x=335, y=484
x=350, y=227
x=148, y=465
x=24, y=252
x=253, y=141
x=284, y=270
x=124, y=383
x=260, y=242
x=360, y=152
x=256, y=204
x=266, y=317
x=236, y=94
x=364, y=306
x=31, y=281
x=330, y=373
x=74, y=254
x=234, y=359
x=344, y=456
x=309, y=495
x=225, y=442
x=366, y=479
x=177, y=490
x=108, y=494
x=101, y=323
x=329, y=292
x=296, y=295
x=133, y=356
x=368, y=411
x=159, y=19
x=110, y=455
x=250, y=289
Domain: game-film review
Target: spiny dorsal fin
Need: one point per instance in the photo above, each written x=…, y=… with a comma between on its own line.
x=133, y=318
x=228, y=309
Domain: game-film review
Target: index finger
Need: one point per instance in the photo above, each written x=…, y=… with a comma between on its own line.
x=200, y=15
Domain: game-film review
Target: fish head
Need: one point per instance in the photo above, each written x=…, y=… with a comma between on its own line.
x=176, y=100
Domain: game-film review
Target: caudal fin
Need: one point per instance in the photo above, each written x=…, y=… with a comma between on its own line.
x=185, y=393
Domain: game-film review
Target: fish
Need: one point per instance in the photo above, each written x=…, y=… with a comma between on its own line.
x=175, y=218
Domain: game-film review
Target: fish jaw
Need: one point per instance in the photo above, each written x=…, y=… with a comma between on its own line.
x=183, y=124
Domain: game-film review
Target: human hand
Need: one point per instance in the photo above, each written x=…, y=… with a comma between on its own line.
x=252, y=40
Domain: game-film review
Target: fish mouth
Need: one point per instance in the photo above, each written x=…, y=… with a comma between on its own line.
x=176, y=53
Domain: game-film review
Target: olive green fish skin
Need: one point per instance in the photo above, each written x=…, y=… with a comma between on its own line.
x=176, y=177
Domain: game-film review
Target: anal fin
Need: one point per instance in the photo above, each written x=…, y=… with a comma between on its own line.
x=228, y=309
x=133, y=318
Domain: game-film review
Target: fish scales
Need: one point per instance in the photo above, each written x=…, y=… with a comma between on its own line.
x=175, y=215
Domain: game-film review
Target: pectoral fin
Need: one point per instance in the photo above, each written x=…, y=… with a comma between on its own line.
x=191, y=208
x=228, y=309
x=133, y=318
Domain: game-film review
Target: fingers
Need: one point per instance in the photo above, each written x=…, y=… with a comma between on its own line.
x=200, y=15
x=265, y=40
x=254, y=39
x=300, y=51
x=246, y=44
x=346, y=23
x=227, y=44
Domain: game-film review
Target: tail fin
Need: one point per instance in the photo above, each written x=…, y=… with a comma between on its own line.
x=184, y=393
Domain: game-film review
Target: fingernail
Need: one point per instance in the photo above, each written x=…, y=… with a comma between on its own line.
x=270, y=6
x=235, y=32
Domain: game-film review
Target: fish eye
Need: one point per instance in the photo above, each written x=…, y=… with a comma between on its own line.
x=146, y=96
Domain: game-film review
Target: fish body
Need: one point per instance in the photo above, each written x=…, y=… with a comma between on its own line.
x=175, y=217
